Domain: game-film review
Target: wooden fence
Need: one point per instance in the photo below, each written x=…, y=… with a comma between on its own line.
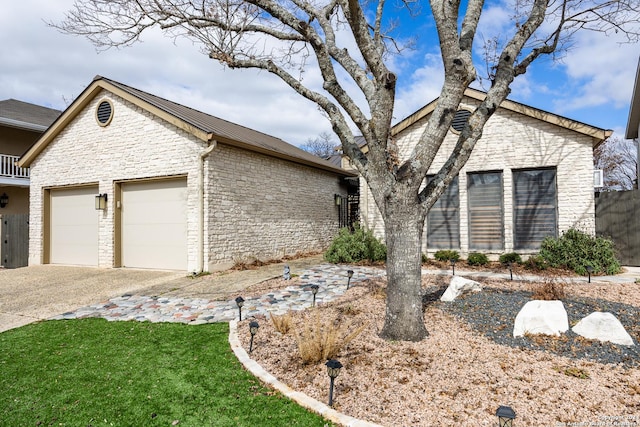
x=618, y=218
x=14, y=247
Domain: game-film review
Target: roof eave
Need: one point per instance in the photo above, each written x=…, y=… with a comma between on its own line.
x=634, y=111
x=18, y=124
x=598, y=134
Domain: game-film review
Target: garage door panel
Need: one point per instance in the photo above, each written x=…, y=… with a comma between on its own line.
x=74, y=227
x=154, y=224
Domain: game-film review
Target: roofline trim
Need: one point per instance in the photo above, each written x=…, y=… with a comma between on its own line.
x=598, y=134
x=22, y=125
x=634, y=110
x=99, y=84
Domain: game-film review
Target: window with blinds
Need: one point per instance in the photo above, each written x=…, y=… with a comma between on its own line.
x=485, y=211
x=443, y=220
x=534, y=207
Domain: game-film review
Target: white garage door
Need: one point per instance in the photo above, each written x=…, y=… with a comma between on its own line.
x=154, y=225
x=74, y=226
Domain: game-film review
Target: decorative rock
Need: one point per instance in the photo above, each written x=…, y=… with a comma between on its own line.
x=541, y=317
x=458, y=286
x=603, y=327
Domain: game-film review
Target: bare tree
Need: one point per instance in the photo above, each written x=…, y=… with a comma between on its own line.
x=349, y=41
x=618, y=159
x=322, y=146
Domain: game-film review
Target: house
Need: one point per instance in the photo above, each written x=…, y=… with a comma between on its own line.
x=21, y=124
x=530, y=176
x=125, y=178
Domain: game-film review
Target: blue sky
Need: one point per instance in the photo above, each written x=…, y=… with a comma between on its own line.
x=592, y=84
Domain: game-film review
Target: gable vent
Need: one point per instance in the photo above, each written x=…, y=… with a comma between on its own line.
x=104, y=113
x=460, y=120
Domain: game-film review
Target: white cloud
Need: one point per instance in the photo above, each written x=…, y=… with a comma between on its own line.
x=45, y=67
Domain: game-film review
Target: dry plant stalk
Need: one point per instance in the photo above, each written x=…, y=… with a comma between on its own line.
x=323, y=339
x=549, y=290
x=282, y=323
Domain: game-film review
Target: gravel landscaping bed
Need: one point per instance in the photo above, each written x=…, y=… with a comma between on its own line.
x=470, y=363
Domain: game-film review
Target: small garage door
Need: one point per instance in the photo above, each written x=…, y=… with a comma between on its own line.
x=74, y=226
x=154, y=224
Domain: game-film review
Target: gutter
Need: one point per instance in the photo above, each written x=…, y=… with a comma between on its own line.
x=22, y=125
x=201, y=240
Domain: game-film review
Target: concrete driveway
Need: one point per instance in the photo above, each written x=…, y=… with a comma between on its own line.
x=40, y=292
x=35, y=293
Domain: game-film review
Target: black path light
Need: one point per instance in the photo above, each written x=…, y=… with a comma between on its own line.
x=286, y=275
x=240, y=303
x=453, y=266
x=314, y=291
x=333, y=369
x=589, y=271
x=253, y=329
x=510, y=267
x=350, y=275
x=505, y=415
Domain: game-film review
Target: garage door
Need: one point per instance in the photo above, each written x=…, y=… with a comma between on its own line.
x=74, y=226
x=154, y=225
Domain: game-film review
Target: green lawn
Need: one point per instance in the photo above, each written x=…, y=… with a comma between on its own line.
x=97, y=373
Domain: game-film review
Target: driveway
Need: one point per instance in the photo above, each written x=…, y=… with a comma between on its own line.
x=35, y=293
x=40, y=292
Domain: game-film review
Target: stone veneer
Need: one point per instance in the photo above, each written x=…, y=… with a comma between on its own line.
x=258, y=205
x=511, y=141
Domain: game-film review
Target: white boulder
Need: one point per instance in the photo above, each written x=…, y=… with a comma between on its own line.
x=458, y=286
x=541, y=317
x=603, y=327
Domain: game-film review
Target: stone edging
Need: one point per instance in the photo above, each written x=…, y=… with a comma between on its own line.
x=300, y=398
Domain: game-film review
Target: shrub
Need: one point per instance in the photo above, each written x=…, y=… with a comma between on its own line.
x=576, y=250
x=356, y=246
x=322, y=339
x=535, y=263
x=476, y=258
x=548, y=290
x=511, y=257
x=446, y=255
x=281, y=323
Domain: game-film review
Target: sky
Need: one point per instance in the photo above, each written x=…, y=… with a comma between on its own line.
x=38, y=64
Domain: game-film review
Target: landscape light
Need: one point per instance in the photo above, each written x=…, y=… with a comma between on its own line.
x=350, y=275
x=589, y=271
x=505, y=416
x=240, y=303
x=510, y=267
x=333, y=369
x=314, y=291
x=453, y=266
x=253, y=329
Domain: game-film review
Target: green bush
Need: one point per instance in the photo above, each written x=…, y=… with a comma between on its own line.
x=359, y=245
x=576, y=250
x=446, y=255
x=535, y=263
x=511, y=257
x=476, y=258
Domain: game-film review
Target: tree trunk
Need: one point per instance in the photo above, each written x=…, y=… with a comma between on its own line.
x=404, y=317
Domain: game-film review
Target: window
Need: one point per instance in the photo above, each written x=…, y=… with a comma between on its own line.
x=443, y=220
x=485, y=211
x=534, y=207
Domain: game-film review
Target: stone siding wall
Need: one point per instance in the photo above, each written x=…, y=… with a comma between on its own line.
x=262, y=207
x=513, y=141
x=135, y=145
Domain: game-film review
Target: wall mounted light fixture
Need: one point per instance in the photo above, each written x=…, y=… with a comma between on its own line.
x=4, y=200
x=101, y=201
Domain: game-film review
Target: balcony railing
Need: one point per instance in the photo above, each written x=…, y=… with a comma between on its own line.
x=9, y=168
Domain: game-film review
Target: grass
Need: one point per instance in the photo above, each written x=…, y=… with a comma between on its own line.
x=96, y=373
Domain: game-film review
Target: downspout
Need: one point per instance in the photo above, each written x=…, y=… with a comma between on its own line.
x=201, y=240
